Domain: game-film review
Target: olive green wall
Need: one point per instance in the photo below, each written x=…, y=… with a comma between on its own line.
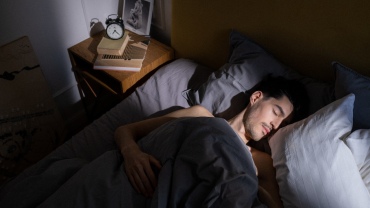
x=306, y=35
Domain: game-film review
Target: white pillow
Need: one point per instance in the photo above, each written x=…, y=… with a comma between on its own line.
x=314, y=167
x=359, y=144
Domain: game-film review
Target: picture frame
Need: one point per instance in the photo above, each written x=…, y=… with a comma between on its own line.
x=137, y=16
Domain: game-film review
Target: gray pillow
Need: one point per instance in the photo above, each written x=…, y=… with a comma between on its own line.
x=226, y=91
x=348, y=81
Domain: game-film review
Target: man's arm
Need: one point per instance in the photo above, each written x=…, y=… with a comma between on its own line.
x=126, y=136
x=268, y=191
x=138, y=165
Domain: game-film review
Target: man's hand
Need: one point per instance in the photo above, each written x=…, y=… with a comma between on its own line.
x=138, y=167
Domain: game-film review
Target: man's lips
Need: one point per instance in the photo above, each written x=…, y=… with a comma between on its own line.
x=266, y=129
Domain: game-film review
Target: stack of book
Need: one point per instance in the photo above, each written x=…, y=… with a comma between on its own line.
x=113, y=47
x=125, y=54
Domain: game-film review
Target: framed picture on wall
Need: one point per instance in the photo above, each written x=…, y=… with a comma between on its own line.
x=137, y=15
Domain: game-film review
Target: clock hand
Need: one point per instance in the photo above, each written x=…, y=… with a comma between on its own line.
x=116, y=32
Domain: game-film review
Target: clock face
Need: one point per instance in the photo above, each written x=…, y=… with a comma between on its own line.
x=115, y=31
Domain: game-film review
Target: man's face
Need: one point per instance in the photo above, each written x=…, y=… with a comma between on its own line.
x=265, y=115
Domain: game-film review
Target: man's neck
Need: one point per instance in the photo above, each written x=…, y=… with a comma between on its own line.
x=237, y=124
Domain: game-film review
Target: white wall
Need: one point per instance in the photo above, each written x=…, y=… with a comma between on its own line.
x=53, y=26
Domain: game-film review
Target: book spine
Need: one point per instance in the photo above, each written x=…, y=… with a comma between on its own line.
x=117, y=68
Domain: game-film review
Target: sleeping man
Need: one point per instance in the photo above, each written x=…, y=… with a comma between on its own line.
x=273, y=103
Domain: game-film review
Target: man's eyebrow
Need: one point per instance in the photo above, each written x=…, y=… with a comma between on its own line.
x=280, y=109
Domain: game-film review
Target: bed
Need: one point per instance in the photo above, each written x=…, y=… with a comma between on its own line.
x=322, y=160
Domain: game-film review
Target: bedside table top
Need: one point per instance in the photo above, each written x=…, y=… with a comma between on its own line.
x=83, y=56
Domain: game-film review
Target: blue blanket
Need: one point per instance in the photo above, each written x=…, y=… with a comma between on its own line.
x=205, y=164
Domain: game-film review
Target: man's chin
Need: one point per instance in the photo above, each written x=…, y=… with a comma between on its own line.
x=267, y=136
x=258, y=138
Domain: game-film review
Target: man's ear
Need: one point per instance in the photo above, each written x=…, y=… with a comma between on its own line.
x=257, y=95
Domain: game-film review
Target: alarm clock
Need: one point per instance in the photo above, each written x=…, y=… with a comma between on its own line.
x=115, y=28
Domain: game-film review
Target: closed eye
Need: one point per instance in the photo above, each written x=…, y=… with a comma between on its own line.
x=278, y=111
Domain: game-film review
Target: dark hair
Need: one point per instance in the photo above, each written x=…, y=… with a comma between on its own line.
x=296, y=92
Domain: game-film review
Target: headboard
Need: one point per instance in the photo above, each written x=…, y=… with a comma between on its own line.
x=305, y=35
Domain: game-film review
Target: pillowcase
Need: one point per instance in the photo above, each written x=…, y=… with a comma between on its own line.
x=348, y=81
x=225, y=92
x=314, y=167
x=359, y=144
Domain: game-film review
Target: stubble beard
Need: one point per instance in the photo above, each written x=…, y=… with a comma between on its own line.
x=248, y=125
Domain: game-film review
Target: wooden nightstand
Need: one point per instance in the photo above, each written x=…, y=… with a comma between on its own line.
x=102, y=89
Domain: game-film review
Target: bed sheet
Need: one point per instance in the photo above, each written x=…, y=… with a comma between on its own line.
x=158, y=95
x=204, y=163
